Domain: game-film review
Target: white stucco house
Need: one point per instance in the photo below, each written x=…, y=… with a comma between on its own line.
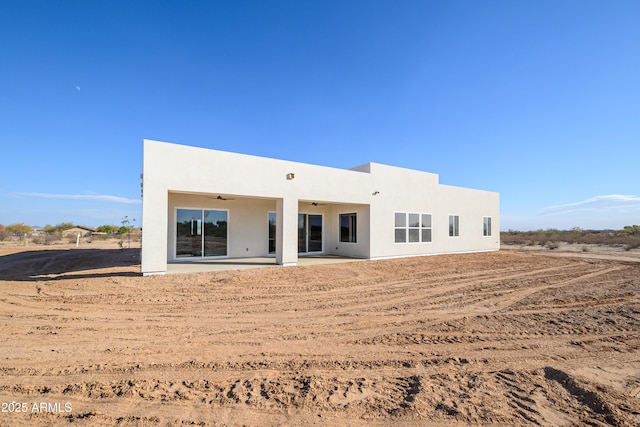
x=205, y=204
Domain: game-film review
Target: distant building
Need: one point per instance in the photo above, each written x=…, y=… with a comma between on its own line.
x=200, y=204
x=78, y=229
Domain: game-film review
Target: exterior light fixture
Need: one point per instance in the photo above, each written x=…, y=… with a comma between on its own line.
x=291, y=175
x=375, y=193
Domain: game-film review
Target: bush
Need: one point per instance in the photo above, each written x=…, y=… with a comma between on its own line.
x=109, y=229
x=45, y=239
x=20, y=230
x=629, y=246
x=628, y=237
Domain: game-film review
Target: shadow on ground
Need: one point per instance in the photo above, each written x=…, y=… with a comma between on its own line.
x=56, y=264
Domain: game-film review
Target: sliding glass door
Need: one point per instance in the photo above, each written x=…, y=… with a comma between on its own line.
x=201, y=233
x=189, y=233
x=309, y=233
x=215, y=233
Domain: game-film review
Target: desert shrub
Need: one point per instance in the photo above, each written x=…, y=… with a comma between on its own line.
x=632, y=245
x=57, y=229
x=45, y=239
x=19, y=230
x=628, y=237
x=632, y=230
x=109, y=229
x=551, y=245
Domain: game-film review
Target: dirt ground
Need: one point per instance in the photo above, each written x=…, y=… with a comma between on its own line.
x=505, y=338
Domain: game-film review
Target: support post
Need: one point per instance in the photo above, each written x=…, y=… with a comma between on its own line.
x=287, y=231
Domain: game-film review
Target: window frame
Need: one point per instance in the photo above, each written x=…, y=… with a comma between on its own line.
x=201, y=234
x=486, y=226
x=454, y=229
x=410, y=226
x=275, y=229
x=414, y=228
x=352, y=224
x=397, y=227
x=423, y=228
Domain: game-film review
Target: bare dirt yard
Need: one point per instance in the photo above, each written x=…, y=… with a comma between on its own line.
x=504, y=338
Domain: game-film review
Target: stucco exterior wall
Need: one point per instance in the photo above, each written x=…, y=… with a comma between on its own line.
x=409, y=191
x=177, y=176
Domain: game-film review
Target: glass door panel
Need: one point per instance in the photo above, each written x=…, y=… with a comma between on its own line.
x=309, y=233
x=272, y=232
x=302, y=232
x=215, y=233
x=315, y=233
x=201, y=233
x=189, y=233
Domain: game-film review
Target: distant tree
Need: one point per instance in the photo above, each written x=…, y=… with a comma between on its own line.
x=634, y=230
x=3, y=232
x=58, y=228
x=125, y=229
x=19, y=229
x=64, y=226
x=109, y=229
x=49, y=229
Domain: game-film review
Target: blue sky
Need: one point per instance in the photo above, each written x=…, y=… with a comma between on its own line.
x=537, y=100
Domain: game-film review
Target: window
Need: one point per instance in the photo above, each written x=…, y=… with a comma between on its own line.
x=426, y=228
x=454, y=225
x=401, y=227
x=201, y=233
x=412, y=227
x=348, y=228
x=272, y=232
x=486, y=226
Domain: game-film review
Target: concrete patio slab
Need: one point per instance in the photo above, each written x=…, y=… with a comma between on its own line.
x=248, y=263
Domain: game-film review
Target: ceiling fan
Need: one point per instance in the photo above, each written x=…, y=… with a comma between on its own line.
x=220, y=198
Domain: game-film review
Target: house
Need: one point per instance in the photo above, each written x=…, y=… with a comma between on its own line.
x=78, y=229
x=204, y=204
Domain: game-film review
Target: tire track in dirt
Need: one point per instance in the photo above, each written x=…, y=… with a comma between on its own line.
x=497, y=302
x=469, y=339
x=511, y=299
